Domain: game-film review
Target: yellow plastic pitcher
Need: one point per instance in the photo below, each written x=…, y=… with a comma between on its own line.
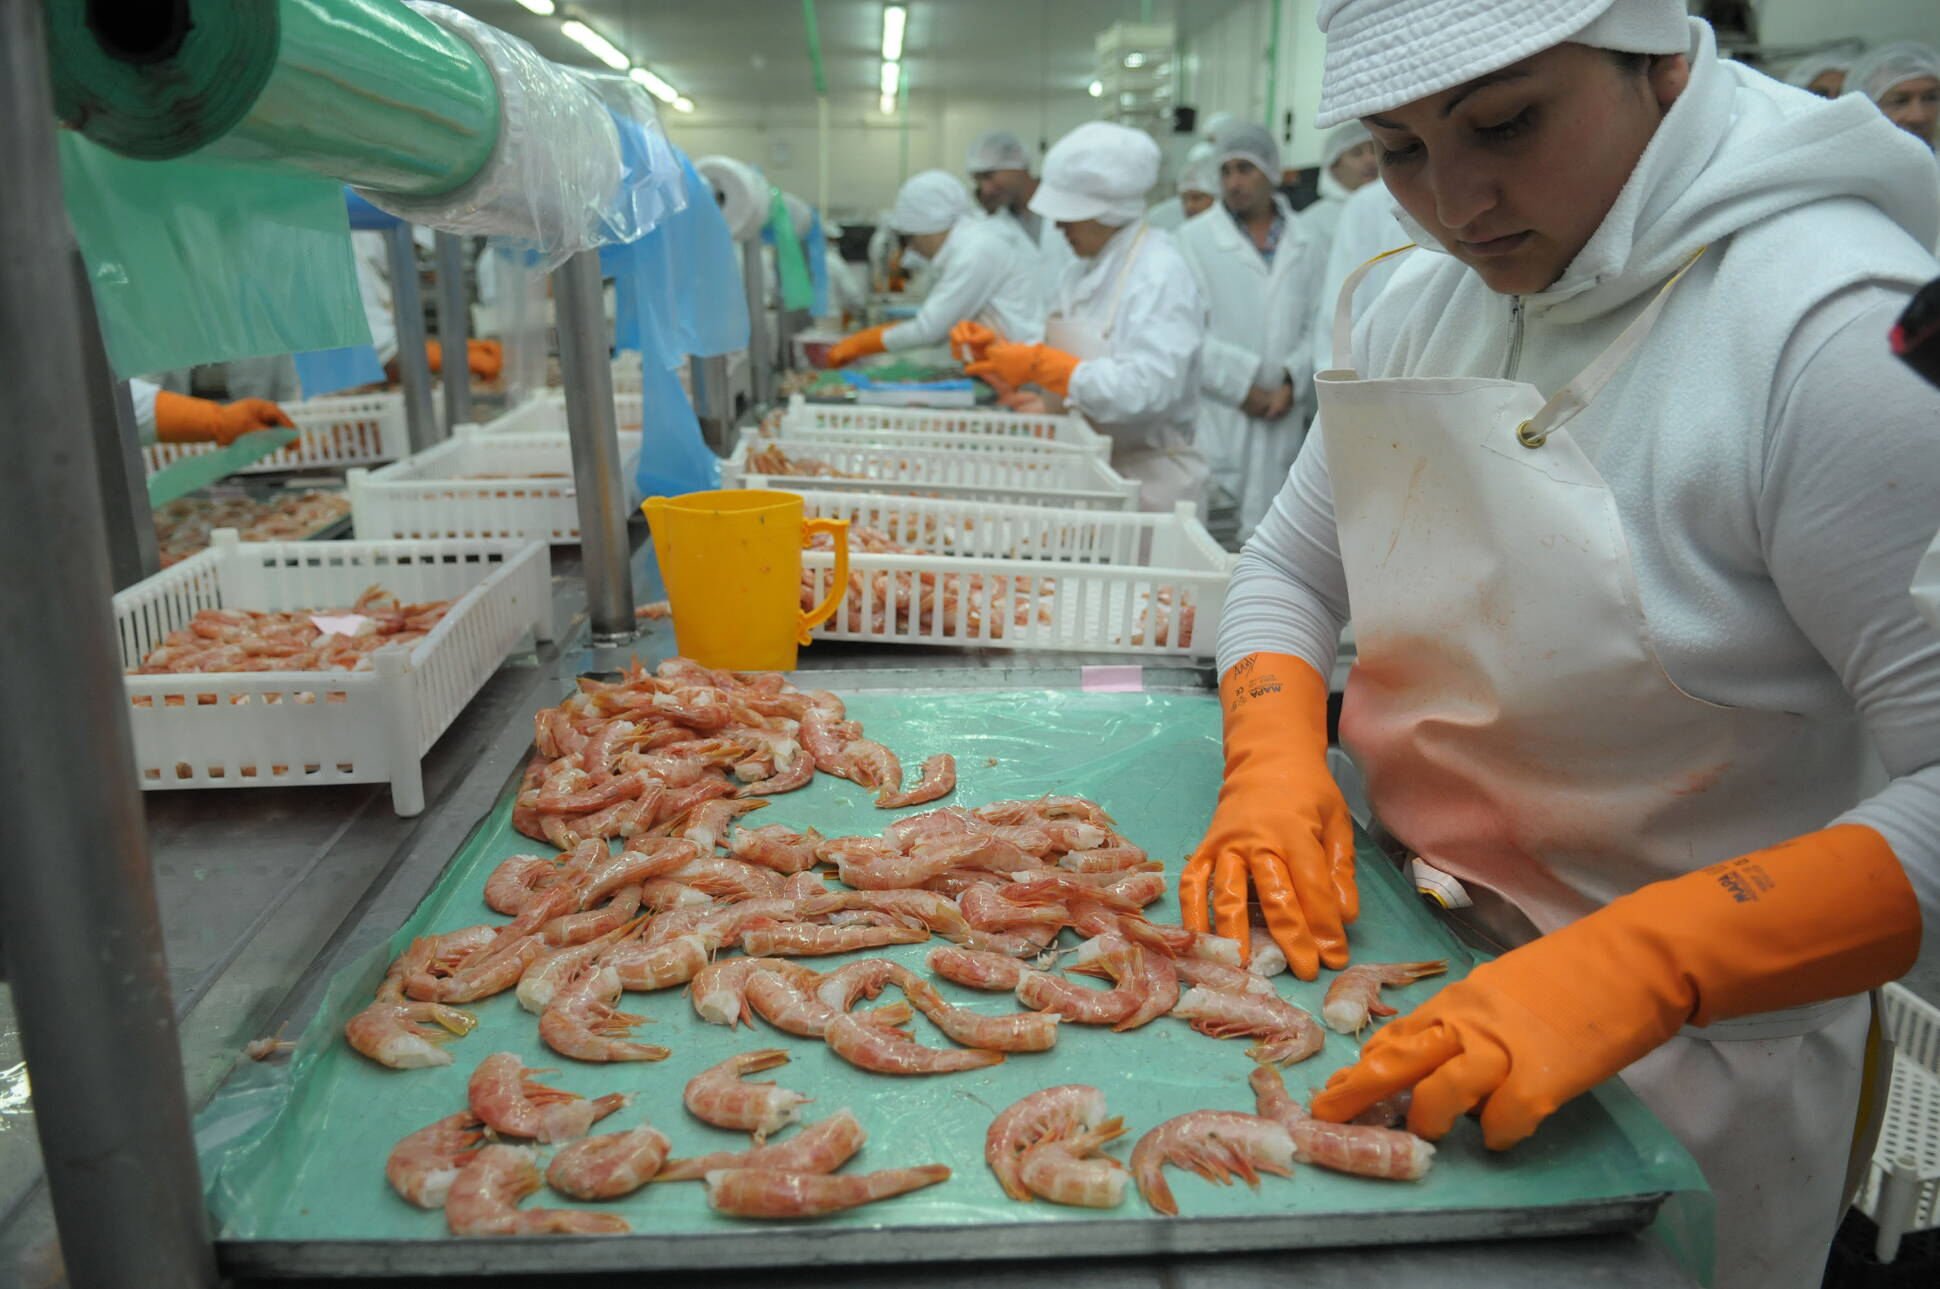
x=732, y=562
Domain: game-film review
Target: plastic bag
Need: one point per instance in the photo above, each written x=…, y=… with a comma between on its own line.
x=326, y=371
x=673, y=457
x=816, y=249
x=790, y=264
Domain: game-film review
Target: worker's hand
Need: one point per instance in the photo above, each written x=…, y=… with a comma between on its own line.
x=1823, y=916
x=180, y=419
x=860, y=345
x=1018, y=365
x=1257, y=402
x=1281, y=401
x=1280, y=824
x=968, y=340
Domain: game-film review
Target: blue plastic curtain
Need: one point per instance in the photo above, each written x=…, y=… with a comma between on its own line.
x=816, y=248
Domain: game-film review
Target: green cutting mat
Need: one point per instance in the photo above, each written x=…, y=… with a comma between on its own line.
x=297, y=1153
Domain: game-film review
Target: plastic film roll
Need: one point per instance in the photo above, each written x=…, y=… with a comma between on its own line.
x=743, y=194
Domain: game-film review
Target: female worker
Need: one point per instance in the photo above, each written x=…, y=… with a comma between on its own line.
x=983, y=270
x=1625, y=491
x=1903, y=79
x=1121, y=346
x=1824, y=74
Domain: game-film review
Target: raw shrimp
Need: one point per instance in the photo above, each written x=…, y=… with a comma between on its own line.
x=775, y=846
x=985, y=908
x=1355, y=994
x=1057, y=1112
x=1286, y=1033
x=888, y=1050
x=430, y=956
x=1269, y=959
x=710, y=820
x=592, y=923
x=760, y=1192
x=514, y=883
x=820, y=1147
x=1360, y=1149
x=977, y=969
x=1109, y=859
x=609, y=1166
x=422, y=1167
x=502, y=1093
x=1077, y=835
x=806, y=939
x=805, y=885
x=393, y=1033
x=935, y=911
x=881, y=867
x=1210, y=975
x=664, y=893
x=985, y=851
x=1074, y=1170
x=1131, y=996
x=1159, y=979
x=655, y=857
x=485, y=1196
x=660, y=966
x=544, y=979
x=939, y=779
x=1010, y=1032
x=718, y=989
x=730, y=878
x=720, y=1096
x=582, y=1022
x=1216, y=1144
x=265, y=1049
x=492, y=971
x=870, y=764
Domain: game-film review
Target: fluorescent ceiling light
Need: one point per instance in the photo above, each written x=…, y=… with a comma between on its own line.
x=894, y=18
x=891, y=77
x=654, y=85
x=1135, y=60
x=683, y=104
x=888, y=104
x=541, y=7
x=595, y=44
x=1096, y=89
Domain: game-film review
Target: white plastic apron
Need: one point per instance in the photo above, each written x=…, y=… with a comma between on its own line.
x=1518, y=733
x=1165, y=475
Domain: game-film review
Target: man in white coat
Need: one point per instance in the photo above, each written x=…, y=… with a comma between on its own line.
x=1258, y=274
x=983, y=272
x=1625, y=490
x=1001, y=170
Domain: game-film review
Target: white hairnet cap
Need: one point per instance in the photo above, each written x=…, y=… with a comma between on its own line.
x=1244, y=141
x=1811, y=67
x=931, y=202
x=1879, y=70
x=1214, y=124
x=1339, y=139
x=1098, y=171
x=1201, y=170
x=1383, y=53
x=996, y=150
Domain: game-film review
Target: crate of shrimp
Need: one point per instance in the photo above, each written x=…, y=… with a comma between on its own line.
x=277, y=664
x=963, y=467
x=342, y=430
x=547, y=414
x=478, y=484
x=933, y=572
x=866, y=423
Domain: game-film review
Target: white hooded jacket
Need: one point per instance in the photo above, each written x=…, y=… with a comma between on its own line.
x=983, y=272
x=1776, y=470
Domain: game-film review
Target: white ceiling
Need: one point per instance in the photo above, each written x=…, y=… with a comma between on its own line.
x=740, y=53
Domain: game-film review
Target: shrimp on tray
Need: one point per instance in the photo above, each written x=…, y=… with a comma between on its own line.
x=1053, y=1113
x=484, y=1200
x=1216, y=1144
x=609, y=1166
x=1074, y=1170
x=760, y=1192
x=1286, y=1033
x=1354, y=997
x=1362, y=1149
x=502, y=1093
x=719, y=1095
x=394, y=1034
x=424, y=1164
x=884, y=1049
x=582, y=1022
x=820, y=1147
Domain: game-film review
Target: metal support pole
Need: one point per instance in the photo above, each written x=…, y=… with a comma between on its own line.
x=593, y=426
x=133, y=552
x=761, y=357
x=82, y=936
x=713, y=400
x=413, y=366
x=454, y=329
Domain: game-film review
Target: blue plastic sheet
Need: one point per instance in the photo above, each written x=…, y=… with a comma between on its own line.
x=366, y=218
x=673, y=457
x=326, y=371
x=816, y=248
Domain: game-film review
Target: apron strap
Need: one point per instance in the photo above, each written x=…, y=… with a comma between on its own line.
x=1118, y=287
x=1344, y=308
x=1576, y=395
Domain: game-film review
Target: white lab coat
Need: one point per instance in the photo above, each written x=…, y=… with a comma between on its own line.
x=846, y=296
x=984, y=272
x=1054, y=254
x=1365, y=227
x=1169, y=215
x=1256, y=335
x=1323, y=216
x=374, y=281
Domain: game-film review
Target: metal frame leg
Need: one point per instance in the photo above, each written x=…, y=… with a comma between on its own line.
x=82, y=936
x=133, y=551
x=454, y=329
x=713, y=400
x=761, y=364
x=592, y=423
x=413, y=365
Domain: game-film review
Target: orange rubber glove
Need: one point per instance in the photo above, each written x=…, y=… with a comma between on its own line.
x=1280, y=820
x=968, y=340
x=1821, y=916
x=180, y=419
x=483, y=358
x=1016, y=365
x=860, y=345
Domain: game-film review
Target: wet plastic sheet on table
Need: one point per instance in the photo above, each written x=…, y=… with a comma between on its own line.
x=294, y=1156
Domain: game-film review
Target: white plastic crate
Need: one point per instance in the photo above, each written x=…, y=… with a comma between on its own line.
x=1902, y=1190
x=342, y=430
x=284, y=728
x=547, y=413
x=867, y=424
x=478, y=484
x=967, y=467
x=1072, y=580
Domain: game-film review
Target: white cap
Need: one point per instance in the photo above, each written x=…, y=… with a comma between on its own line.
x=1383, y=53
x=996, y=150
x=1879, y=70
x=1811, y=67
x=1339, y=139
x=931, y=202
x=1098, y=171
x=1213, y=124
x=1201, y=170
x=1244, y=141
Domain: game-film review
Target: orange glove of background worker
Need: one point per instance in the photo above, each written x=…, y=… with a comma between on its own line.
x=860, y=345
x=1016, y=365
x=968, y=340
x=1822, y=916
x=483, y=358
x=181, y=419
x=1280, y=820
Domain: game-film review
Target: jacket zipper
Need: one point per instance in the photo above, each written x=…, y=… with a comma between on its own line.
x=1515, y=338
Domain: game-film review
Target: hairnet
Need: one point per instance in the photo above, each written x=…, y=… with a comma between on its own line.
x=1244, y=141
x=930, y=202
x=1811, y=67
x=1339, y=139
x=1201, y=170
x=996, y=150
x=1098, y=171
x=1214, y=124
x=1879, y=70
x=1383, y=53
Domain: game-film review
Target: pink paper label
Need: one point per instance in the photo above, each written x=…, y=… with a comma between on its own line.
x=343, y=624
x=1114, y=679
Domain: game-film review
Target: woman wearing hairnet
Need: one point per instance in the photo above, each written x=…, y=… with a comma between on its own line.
x=983, y=272
x=1121, y=346
x=1258, y=273
x=1625, y=491
x=1823, y=74
x=1198, y=190
x=1903, y=79
x=1349, y=161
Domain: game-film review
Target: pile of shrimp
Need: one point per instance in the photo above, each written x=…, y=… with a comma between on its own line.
x=970, y=605
x=182, y=526
x=772, y=460
x=218, y=640
x=639, y=756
